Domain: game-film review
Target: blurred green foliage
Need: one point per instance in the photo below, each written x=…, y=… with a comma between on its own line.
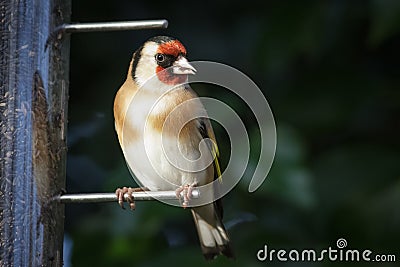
x=331, y=73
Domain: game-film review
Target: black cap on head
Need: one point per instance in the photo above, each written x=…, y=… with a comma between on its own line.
x=161, y=39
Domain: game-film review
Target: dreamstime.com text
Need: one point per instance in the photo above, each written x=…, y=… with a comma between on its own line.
x=332, y=254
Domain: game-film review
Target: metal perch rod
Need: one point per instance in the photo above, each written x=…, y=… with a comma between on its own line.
x=111, y=197
x=113, y=26
x=105, y=27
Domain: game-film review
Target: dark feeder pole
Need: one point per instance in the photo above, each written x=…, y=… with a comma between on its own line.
x=34, y=67
x=33, y=111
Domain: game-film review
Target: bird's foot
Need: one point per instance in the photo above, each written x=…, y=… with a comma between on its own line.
x=120, y=192
x=186, y=192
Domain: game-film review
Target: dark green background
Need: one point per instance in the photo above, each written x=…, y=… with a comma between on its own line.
x=331, y=73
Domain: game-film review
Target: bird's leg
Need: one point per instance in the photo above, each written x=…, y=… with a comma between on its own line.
x=186, y=191
x=120, y=192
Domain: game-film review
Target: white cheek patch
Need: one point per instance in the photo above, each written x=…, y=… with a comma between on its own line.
x=146, y=70
x=146, y=67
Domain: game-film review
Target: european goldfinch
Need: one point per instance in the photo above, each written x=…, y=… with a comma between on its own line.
x=161, y=119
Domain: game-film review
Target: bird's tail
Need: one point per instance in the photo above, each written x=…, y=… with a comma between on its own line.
x=214, y=239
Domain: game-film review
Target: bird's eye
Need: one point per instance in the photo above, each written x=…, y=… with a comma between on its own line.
x=160, y=58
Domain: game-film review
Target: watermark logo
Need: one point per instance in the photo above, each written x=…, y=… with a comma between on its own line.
x=341, y=243
x=339, y=253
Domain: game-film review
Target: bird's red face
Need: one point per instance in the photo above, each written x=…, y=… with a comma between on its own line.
x=172, y=65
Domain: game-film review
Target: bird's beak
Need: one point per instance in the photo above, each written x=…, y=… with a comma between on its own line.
x=182, y=66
